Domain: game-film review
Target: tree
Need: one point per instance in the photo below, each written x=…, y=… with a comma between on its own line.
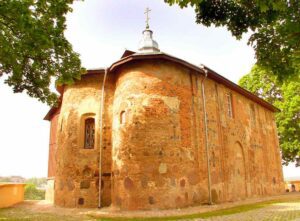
x=5, y=179
x=33, y=48
x=275, y=25
x=32, y=193
x=284, y=95
x=39, y=182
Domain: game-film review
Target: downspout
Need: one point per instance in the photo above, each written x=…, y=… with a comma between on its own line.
x=206, y=137
x=101, y=135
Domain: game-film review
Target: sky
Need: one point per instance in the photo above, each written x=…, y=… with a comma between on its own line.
x=100, y=31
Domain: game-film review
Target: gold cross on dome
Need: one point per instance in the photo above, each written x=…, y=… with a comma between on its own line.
x=147, y=16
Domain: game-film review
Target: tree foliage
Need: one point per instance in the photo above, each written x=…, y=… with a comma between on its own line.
x=284, y=95
x=38, y=181
x=32, y=193
x=275, y=25
x=33, y=48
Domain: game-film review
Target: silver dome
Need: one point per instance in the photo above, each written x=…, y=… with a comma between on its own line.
x=147, y=44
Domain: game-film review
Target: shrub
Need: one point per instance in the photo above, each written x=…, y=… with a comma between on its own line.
x=32, y=193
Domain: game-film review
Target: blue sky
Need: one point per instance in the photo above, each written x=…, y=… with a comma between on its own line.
x=100, y=31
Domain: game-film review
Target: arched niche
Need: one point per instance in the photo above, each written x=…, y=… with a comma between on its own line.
x=238, y=173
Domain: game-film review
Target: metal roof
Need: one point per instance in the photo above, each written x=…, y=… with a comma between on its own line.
x=130, y=56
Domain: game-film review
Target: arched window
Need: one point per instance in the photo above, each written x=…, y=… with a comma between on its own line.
x=122, y=117
x=89, y=133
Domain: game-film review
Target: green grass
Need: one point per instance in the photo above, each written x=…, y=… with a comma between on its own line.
x=22, y=214
x=205, y=215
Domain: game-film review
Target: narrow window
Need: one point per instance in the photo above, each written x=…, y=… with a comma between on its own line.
x=89, y=133
x=61, y=124
x=229, y=105
x=213, y=159
x=252, y=114
x=122, y=117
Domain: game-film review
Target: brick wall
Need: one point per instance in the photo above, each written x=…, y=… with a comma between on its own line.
x=52, y=145
x=154, y=153
x=77, y=172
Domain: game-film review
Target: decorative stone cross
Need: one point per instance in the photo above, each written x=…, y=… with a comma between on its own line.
x=147, y=17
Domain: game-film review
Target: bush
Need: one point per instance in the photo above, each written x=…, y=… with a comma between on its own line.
x=32, y=193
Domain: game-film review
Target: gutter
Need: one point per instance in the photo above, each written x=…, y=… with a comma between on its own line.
x=101, y=135
x=206, y=137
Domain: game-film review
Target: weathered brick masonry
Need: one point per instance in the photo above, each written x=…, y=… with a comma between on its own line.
x=153, y=143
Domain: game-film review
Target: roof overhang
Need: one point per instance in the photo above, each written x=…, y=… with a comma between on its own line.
x=200, y=70
x=130, y=56
x=60, y=89
x=51, y=112
x=127, y=53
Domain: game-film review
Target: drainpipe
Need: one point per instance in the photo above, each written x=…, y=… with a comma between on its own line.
x=101, y=135
x=206, y=137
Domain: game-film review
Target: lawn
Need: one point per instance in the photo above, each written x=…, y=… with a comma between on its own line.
x=20, y=214
x=206, y=215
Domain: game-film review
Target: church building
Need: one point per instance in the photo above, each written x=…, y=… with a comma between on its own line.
x=153, y=131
